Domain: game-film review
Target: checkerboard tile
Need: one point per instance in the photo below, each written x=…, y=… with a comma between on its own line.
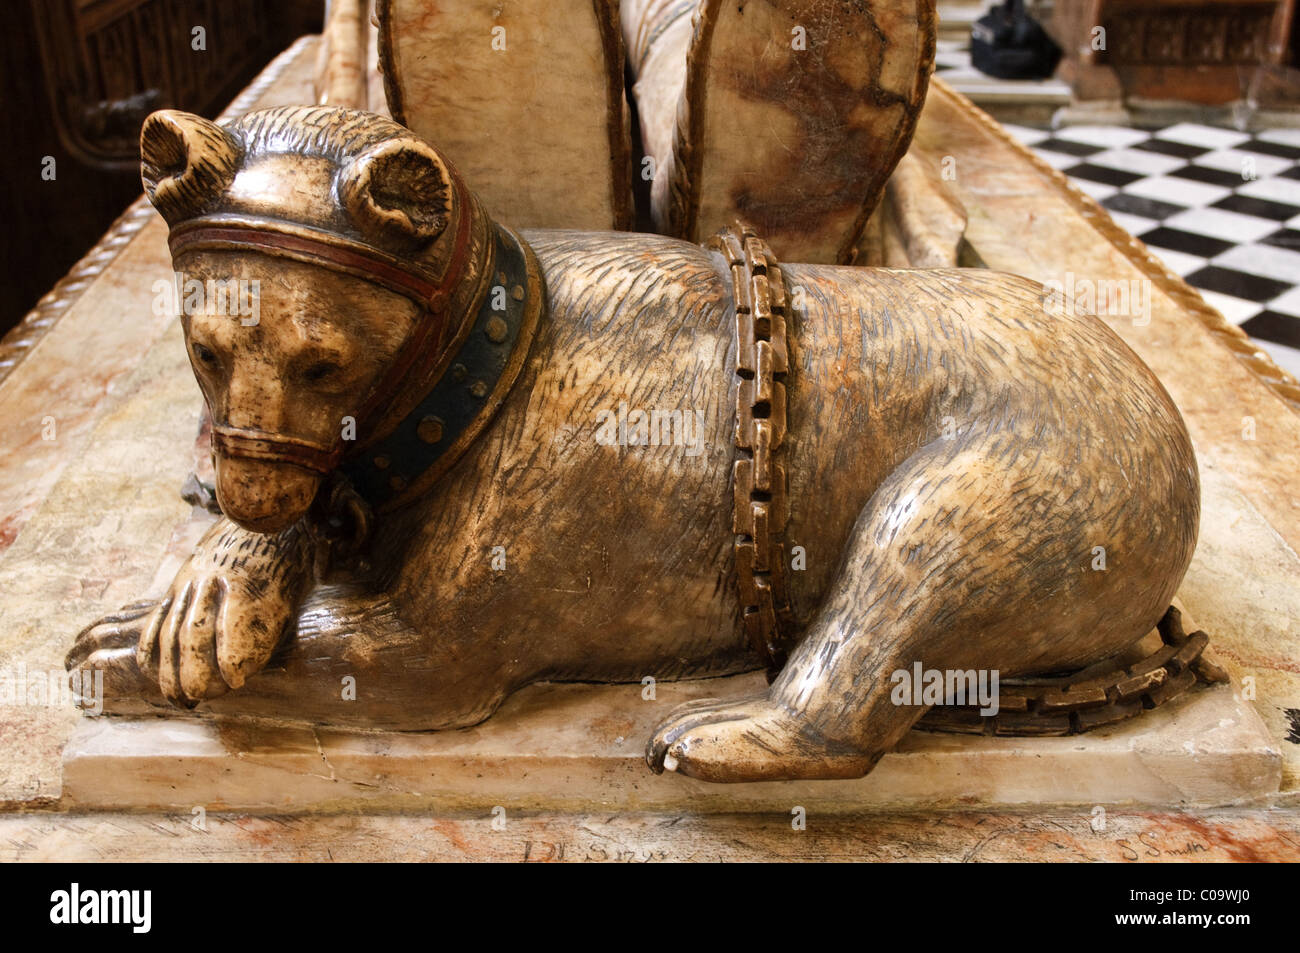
x=1220, y=207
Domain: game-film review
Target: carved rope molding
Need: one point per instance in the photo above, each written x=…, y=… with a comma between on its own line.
x=1184, y=295
x=23, y=337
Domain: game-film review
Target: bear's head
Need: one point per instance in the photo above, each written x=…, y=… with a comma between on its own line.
x=325, y=259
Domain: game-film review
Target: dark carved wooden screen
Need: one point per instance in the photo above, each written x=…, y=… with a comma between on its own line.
x=77, y=78
x=109, y=63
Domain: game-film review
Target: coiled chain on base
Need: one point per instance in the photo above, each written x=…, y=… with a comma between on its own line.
x=1102, y=694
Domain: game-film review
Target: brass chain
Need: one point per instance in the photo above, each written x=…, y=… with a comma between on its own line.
x=1100, y=695
x=760, y=507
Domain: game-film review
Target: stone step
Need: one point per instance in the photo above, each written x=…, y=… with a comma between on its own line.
x=581, y=748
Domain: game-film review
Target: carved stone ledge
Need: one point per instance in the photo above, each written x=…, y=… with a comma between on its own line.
x=580, y=747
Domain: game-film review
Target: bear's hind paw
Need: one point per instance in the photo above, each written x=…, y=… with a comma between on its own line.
x=753, y=739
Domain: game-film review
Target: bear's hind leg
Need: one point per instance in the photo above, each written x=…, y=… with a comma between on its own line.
x=967, y=557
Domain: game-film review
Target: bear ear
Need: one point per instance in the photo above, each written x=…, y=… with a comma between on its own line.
x=399, y=190
x=186, y=162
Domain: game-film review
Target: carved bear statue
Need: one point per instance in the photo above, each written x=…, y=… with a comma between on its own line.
x=455, y=459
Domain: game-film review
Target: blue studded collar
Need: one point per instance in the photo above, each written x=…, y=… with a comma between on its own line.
x=425, y=444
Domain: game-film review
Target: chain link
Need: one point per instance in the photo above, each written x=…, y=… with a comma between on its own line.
x=760, y=508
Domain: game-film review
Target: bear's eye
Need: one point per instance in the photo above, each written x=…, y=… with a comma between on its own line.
x=204, y=355
x=320, y=371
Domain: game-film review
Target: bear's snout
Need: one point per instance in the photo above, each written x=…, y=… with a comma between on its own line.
x=264, y=496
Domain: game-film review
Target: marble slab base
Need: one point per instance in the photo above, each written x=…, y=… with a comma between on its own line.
x=580, y=747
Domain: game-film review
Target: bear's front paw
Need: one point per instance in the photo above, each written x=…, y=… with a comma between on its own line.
x=102, y=667
x=227, y=611
x=210, y=634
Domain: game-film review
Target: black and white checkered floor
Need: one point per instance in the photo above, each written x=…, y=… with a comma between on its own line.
x=1221, y=208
